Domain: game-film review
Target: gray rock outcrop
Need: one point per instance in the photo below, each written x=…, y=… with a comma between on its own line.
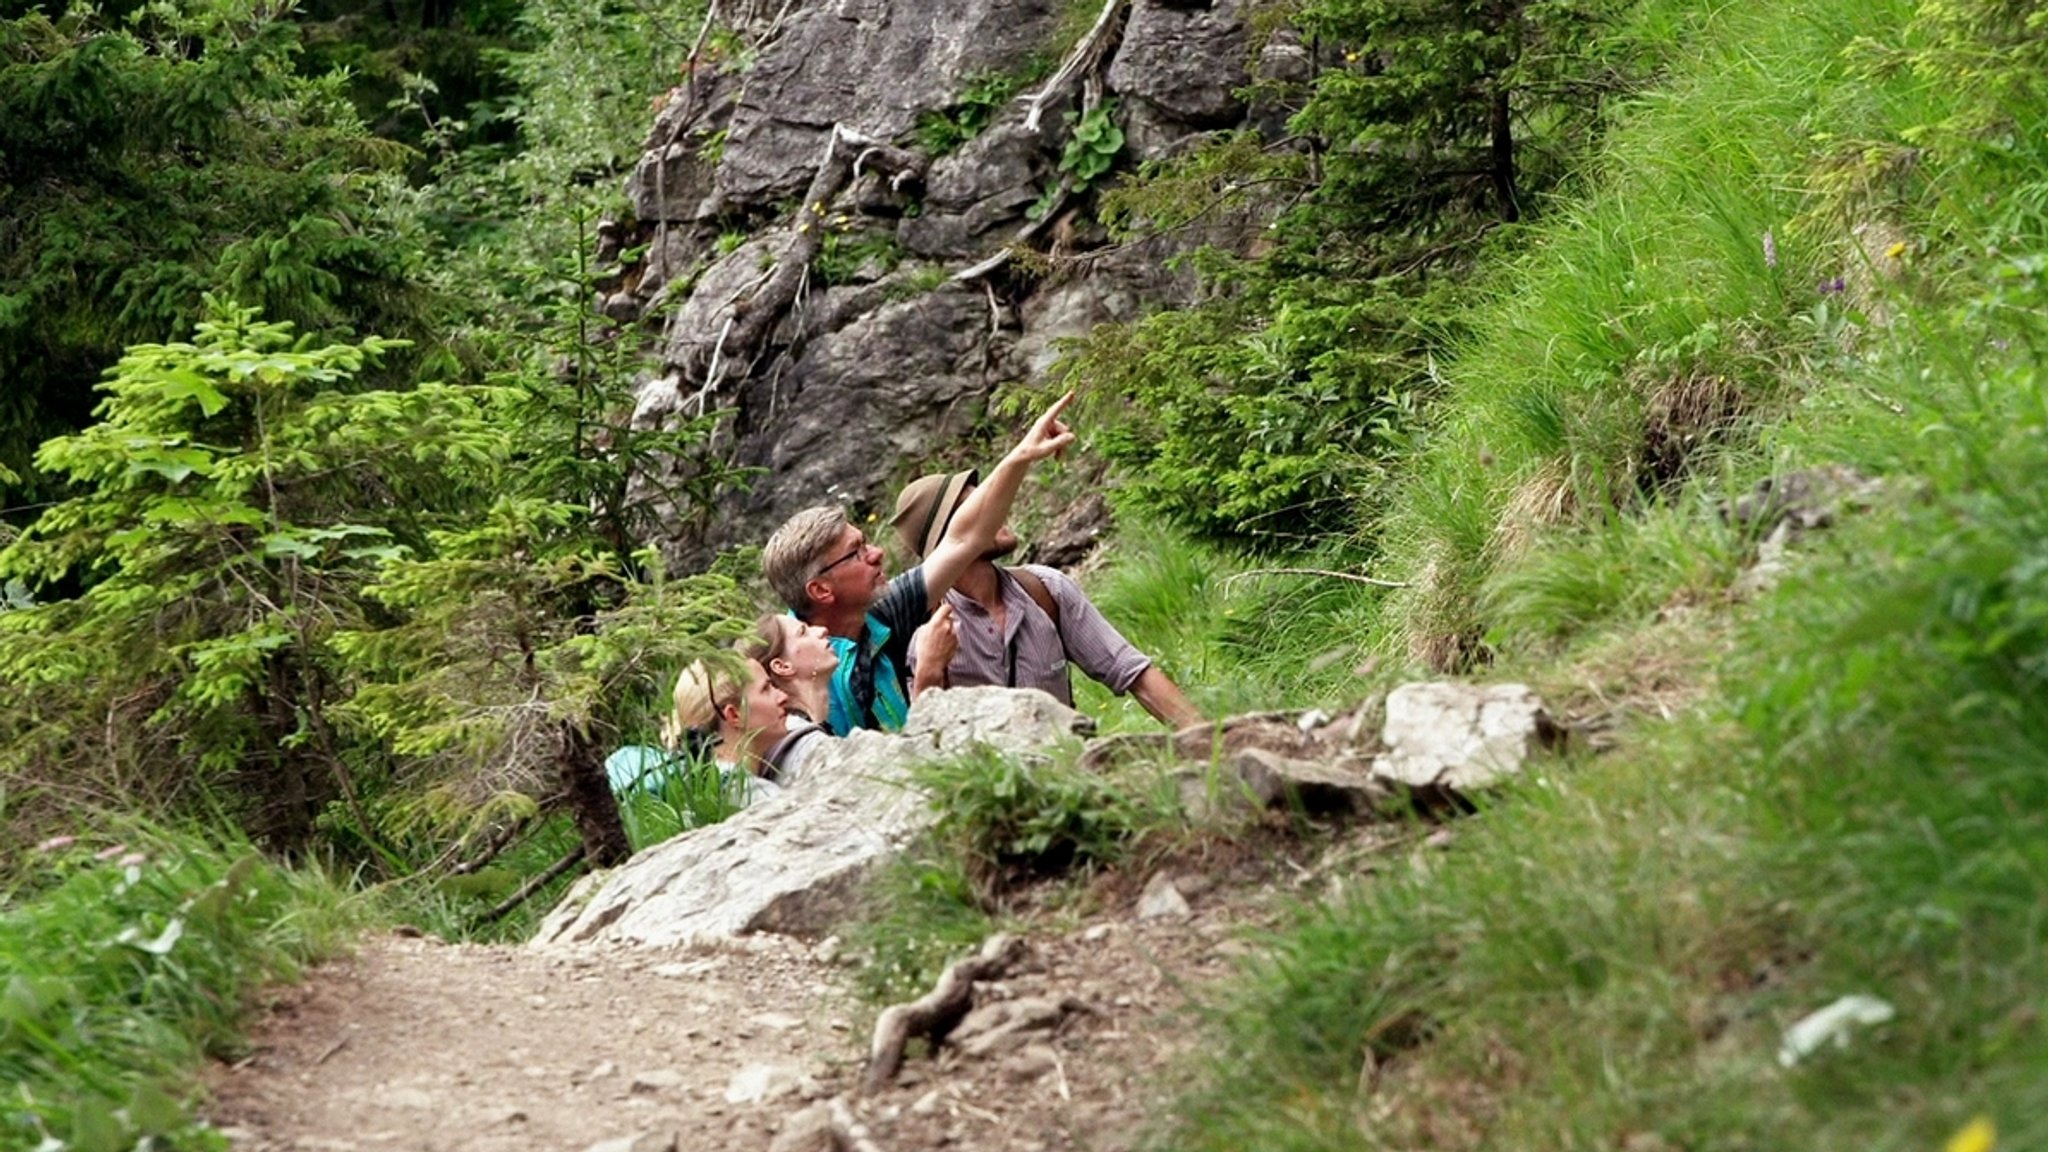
x=793, y=863
x=888, y=351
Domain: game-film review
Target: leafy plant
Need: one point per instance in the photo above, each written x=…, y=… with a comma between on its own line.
x=1093, y=143
x=1006, y=817
x=847, y=249
x=149, y=160
x=921, y=914
x=943, y=131
x=212, y=535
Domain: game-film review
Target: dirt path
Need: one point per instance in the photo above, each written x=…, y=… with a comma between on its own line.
x=419, y=1045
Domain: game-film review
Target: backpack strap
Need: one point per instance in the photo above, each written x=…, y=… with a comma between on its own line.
x=1034, y=587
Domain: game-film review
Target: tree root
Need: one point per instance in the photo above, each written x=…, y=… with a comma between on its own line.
x=936, y=1012
x=750, y=321
x=1090, y=46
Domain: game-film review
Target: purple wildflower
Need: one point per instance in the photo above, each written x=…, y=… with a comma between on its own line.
x=1770, y=249
x=56, y=843
x=1832, y=286
x=133, y=859
x=110, y=853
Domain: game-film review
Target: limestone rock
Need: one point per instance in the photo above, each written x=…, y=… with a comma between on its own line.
x=1186, y=62
x=1162, y=900
x=1459, y=738
x=669, y=183
x=1012, y=720
x=1342, y=786
x=792, y=863
x=868, y=64
x=758, y=1082
x=1806, y=500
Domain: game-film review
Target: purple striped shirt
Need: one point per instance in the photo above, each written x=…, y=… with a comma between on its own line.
x=1028, y=637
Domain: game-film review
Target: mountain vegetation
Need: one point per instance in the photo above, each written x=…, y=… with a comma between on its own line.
x=323, y=593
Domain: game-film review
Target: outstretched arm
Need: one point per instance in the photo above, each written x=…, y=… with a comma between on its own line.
x=1164, y=699
x=984, y=511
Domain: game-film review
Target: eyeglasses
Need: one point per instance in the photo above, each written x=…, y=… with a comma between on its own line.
x=858, y=549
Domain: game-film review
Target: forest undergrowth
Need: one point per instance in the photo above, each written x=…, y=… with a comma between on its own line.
x=1752, y=240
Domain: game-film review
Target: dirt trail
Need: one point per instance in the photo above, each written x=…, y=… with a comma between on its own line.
x=418, y=1045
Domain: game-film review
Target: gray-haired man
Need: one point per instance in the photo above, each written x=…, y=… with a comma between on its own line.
x=830, y=574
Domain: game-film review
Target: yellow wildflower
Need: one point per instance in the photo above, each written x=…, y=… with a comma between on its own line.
x=1897, y=251
x=1979, y=1135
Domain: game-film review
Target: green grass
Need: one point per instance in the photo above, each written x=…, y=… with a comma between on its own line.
x=1654, y=278
x=125, y=963
x=1610, y=953
x=1234, y=636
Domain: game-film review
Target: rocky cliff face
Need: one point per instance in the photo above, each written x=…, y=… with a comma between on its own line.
x=847, y=299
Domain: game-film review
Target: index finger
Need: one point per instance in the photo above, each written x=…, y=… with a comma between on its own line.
x=1052, y=414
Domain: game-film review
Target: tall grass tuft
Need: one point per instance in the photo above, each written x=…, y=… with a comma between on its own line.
x=124, y=963
x=1693, y=247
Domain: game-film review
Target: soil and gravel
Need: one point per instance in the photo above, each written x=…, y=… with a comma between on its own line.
x=416, y=1044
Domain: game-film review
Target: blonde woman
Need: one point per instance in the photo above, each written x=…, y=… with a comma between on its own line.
x=744, y=718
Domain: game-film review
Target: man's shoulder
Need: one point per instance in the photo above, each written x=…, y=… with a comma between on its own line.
x=1061, y=585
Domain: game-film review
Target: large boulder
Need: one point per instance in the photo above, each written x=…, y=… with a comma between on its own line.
x=794, y=862
x=873, y=65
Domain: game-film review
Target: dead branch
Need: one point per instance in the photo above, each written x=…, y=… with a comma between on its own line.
x=936, y=1012
x=526, y=890
x=1089, y=46
x=1351, y=576
x=1023, y=236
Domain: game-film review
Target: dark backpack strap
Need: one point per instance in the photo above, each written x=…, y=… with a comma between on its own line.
x=1042, y=596
x=1034, y=587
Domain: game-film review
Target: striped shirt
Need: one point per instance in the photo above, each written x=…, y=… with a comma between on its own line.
x=1028, y=653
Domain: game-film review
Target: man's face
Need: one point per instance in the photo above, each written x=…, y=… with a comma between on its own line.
x=852, y=569
x=1006, y=543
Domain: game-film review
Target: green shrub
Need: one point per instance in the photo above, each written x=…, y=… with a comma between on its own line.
x=921, y=914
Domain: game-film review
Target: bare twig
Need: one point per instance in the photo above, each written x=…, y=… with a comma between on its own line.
x=1351, y=576
x=936, y=1012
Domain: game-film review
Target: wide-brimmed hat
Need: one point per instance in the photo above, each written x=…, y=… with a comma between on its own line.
x=927, y=505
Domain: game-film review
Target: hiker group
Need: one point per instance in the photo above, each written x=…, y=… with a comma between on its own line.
x=856, y=647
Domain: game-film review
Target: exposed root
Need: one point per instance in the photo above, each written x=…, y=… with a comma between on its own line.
x=936, y=1012
x=1083, y=53
x=752, y=320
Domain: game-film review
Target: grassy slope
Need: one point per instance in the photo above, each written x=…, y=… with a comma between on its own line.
x=125, y=962
x=1853, y=800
